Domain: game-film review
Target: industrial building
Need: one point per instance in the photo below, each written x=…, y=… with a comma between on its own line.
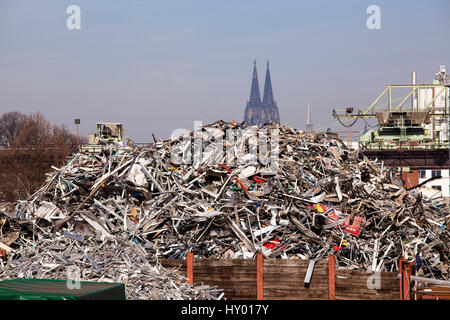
x=439, y=130
x=412, y=135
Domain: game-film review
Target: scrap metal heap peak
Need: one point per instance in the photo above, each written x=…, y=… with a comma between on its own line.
x=113, y=214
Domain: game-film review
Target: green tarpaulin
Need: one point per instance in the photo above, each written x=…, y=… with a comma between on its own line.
x=43, y=289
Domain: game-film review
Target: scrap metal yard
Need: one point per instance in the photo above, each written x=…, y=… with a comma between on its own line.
x=216, y=159
x=118, y=215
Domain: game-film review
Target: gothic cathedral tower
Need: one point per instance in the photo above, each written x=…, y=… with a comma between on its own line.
x=257, y=112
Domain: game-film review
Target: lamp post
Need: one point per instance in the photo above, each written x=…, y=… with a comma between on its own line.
x=77, y=122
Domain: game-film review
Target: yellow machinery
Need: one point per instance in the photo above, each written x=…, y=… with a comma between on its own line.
x=107, y=133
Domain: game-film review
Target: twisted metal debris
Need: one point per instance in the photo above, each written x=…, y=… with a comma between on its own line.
x=321, y=198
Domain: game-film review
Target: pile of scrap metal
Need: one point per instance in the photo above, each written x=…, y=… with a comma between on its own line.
x=305, y=196
x=74, y=257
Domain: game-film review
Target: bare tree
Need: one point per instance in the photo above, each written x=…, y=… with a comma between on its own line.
x=34, y=131
x=63, y=137
x=37, y=146
x=9, y=127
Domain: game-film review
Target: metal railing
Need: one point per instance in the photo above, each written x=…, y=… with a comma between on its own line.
x=415, y=90
x=407, y=145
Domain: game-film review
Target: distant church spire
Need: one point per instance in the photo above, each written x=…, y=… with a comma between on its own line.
x=269, y=104
x=268, y=93
x=255, y=97
x=257, y=112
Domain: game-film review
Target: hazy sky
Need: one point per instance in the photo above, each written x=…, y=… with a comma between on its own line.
x=159, y=65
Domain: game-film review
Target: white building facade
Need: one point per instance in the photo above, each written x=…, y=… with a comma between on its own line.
x=436, y=99
x=441, y=187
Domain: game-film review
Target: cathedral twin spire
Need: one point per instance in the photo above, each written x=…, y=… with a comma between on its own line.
x=257, y=112
x=255, y=97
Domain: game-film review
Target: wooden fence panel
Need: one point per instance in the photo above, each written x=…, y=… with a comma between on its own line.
x=433, y=293
x=283, y=279
x=236, y=277
x=174, y=264
x=356, y=285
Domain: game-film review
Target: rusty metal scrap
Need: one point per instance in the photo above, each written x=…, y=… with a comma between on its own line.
x=108, y=260
x=321, y=199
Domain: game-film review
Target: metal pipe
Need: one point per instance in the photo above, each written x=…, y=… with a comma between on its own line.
x=414, y=82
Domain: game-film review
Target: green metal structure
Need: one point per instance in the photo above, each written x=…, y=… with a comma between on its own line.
x=401, y=125
x=400, y=128
x=45, y=289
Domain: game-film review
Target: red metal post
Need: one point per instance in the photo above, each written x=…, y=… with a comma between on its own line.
x=331, y=278
x=259, y=276
x=400, y=271
x=406, y=282
x=190, y=267
x=412, y=266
